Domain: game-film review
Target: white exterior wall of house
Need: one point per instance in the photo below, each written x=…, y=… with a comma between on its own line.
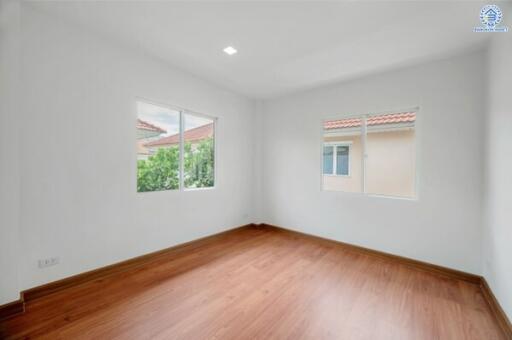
x=390, y=165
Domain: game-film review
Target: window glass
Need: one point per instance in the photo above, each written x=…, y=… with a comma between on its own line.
x=162, y=134
x=199, y=151
x=346, y=163
x=328, y=159
x=342, y=160
x=373, y=154
x=391, y=154
x=158, y=152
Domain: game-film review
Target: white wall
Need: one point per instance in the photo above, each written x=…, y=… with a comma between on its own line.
x=78, y=156
x=497, y=259
x=9, y=179
x=444, y=225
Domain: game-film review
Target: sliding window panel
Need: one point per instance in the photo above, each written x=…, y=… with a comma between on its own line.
x=391, y=154
x=199, y=151
x=158, y=151
x=342, y=155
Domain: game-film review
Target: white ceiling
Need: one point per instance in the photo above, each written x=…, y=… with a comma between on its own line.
x=282, y=46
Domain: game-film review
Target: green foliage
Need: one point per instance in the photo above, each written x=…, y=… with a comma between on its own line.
x=199, y=167
x=161, y=170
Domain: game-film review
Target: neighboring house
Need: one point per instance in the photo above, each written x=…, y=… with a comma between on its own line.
x=146, y=133
x=391, y=155
x=194, y=136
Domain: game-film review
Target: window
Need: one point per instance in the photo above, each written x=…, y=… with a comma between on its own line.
x=336, y=159
x=175, y=149
x=374, y=154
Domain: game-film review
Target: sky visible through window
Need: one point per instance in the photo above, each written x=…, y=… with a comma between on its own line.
x=167, y=119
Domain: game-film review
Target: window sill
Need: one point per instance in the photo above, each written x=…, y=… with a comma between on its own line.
x=199, y=189
x=362, y=194
x=177, y=190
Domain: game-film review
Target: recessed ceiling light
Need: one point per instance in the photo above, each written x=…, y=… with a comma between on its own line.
x=230, y=50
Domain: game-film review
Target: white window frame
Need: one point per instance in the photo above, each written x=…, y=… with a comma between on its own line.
x=335, y=157
x=182, y=112
x=364, y=117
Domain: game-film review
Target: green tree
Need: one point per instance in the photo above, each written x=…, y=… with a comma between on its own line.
x=161, y=170
x=199, y=164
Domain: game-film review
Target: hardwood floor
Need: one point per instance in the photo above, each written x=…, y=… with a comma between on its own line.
x=262, y=283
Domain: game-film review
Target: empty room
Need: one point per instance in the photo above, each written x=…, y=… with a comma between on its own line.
x=255, y=170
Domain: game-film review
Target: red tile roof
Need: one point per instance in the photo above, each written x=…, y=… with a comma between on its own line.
x=393, y=118
x=143, y=125
x=195, y=134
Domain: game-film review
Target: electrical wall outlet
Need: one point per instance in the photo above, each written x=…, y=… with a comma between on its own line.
x=51, y=261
